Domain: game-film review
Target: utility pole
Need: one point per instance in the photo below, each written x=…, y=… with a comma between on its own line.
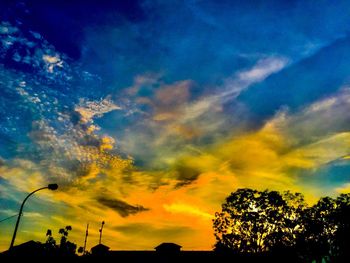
x=103, y=222
x=86, y=235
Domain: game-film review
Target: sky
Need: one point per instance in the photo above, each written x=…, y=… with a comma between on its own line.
x=148, y=114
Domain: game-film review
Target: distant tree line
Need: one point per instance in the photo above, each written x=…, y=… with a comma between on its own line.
x=282, y=226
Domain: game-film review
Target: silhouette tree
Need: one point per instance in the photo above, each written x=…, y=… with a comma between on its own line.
x=339, y=219
x=50, y=246
x=67, y=248
x=50, y=240
x=268, y=222
x=253, y=222
x=64, y=234
x=319, y=230
x=327, y=230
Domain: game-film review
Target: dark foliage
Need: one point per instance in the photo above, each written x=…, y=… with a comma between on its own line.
x=65, y=248
x=281, y=225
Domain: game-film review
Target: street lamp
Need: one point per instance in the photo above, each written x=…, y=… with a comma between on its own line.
x=51, y=187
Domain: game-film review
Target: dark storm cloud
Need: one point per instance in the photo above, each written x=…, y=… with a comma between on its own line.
x=186, y=174
x=151, y=231
x=122, y=208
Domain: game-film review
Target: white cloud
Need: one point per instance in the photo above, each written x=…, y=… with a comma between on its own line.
x=52, y=62
x=324, y=117
x=262, y=69
x=91, y=109
x=8, y=212
x=235, y=85
x=32, y=214
x=243, y=79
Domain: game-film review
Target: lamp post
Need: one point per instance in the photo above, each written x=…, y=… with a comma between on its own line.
x=51, y=187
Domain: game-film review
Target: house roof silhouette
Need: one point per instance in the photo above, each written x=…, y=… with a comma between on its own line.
x=168, y=247
x=29, y=248
x=99, y=249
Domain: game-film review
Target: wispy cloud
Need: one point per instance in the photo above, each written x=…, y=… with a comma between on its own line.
x=187, y=209
x=122, y=208
x=32, y=215
x=175, y=118
x=235, y=85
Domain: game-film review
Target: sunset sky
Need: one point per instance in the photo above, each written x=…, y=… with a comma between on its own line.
x=149, y=113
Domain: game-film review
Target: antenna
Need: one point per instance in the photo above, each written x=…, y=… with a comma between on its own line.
x=86, y=235
x=103, y=222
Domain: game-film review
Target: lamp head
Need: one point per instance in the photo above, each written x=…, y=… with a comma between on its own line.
x=53, y=186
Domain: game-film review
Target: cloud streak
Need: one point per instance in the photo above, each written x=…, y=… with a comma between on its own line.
x=122, y=208
x=235, y=85
x=173, y=116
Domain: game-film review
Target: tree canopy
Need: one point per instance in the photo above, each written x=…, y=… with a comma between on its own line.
x=253, y=222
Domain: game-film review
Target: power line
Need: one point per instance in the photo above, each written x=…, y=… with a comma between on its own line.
x=8, y=218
